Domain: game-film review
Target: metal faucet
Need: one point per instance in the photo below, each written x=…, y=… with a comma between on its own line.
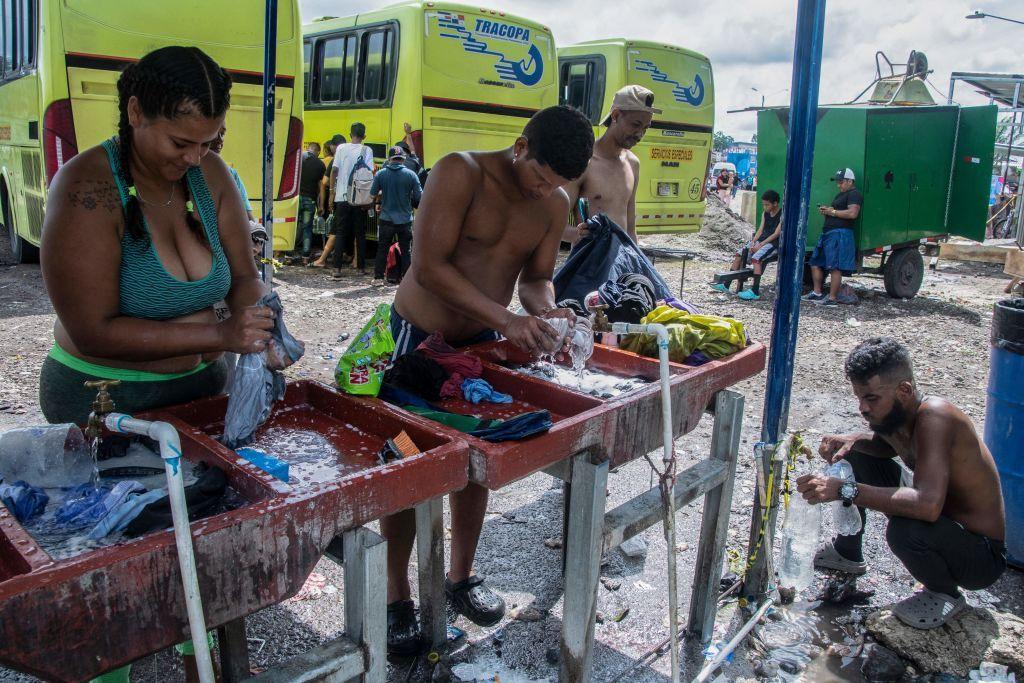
x=102, y=405
x=601, y=323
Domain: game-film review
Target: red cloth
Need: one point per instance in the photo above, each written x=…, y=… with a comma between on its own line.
x=454, y=362
x=452, y=388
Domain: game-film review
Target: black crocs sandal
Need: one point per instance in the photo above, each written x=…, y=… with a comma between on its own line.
x=403, y=630
x=475, y=601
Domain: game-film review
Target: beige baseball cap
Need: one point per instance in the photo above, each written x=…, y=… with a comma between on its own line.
x=632, y=98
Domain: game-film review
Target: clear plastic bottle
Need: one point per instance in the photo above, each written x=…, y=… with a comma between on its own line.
x=801, y=533
x=846, y=517
x=582, y=346
x=46, y=456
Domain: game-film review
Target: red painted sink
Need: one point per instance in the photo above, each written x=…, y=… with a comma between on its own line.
x=618, y=429
x=73, y=619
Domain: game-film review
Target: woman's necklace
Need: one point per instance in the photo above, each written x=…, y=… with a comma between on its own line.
x=170, y=197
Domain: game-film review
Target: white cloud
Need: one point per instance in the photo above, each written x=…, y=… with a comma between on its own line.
x=751, y=44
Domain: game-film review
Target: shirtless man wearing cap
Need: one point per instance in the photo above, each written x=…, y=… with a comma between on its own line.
x=613, y=174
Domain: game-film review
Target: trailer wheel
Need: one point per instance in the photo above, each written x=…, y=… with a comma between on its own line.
x=904, y=273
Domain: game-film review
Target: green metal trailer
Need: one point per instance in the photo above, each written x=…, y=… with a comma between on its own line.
x=924, y=170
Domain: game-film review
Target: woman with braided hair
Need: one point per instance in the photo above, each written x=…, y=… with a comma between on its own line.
x=143, y=234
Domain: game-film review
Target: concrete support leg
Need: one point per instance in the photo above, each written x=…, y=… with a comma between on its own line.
x=366, y=598
x=234, y=651
x=582, y=566
x=430, y=557
x=725, y=443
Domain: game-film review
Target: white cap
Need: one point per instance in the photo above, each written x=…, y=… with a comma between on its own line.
x=844, y=174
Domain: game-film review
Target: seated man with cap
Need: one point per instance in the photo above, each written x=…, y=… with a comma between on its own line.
x=836, y=250
x=613, y=174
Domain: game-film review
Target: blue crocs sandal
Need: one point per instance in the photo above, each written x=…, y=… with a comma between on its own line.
x=749, y=295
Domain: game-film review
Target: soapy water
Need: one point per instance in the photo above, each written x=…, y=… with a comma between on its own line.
x=61, y=542
x=489, y=669
x=593, y=382
x=311, y=456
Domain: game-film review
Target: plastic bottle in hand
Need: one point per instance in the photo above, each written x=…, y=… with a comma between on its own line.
x=582, y=346
x=801, y=533
x=846, y=517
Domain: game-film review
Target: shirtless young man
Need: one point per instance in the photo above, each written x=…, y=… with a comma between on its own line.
x=613, y=174
x=487, y=220
x=947, y=527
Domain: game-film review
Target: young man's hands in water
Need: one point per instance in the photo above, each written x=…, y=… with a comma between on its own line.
x=535, y=336
x=567, y=314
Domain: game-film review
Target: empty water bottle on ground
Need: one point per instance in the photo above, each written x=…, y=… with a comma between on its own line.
x=48, y=456
x=846, y=517
x=801, y=533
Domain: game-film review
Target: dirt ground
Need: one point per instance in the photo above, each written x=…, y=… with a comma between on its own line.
x=946, y=328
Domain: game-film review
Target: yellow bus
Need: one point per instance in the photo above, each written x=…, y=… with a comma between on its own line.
x=675, y=153
x=59, y=64
x=462, y=77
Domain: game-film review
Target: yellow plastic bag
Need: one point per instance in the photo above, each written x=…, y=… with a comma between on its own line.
x=712, y=335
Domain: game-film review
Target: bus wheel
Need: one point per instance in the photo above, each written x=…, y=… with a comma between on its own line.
x=22, y=251
x=904, y=273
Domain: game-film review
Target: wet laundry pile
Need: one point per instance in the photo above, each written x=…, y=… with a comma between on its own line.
x=127, y=498
x=420, y=381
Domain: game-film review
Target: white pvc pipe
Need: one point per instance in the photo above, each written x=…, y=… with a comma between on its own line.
x=170, y=451
x=736, y=640
x=668, y=493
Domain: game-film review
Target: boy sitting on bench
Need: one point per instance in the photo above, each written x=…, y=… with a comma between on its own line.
x=762, y=249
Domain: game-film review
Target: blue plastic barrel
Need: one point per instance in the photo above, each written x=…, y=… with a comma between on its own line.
x=1004, y=417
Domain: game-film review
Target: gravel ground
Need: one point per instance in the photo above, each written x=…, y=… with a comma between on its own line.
x=946, y=328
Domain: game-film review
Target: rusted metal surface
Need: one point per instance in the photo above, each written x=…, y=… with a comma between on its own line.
x=72, y=619
x=631, y=424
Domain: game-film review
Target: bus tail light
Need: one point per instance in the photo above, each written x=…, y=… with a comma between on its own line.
x=417, y=144
x=289, y=186
x=59, y=141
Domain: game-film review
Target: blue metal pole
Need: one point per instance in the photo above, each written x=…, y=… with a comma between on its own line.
x=803, y=110
x=269, y=96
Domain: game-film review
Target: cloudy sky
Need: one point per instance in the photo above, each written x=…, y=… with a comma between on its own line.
x=750, y=43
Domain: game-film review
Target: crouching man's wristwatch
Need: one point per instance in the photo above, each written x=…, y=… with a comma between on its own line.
x=848, y=492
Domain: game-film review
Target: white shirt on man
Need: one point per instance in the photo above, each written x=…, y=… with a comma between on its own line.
x=345, y=157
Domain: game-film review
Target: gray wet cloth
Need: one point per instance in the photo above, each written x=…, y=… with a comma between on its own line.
x=255, y=386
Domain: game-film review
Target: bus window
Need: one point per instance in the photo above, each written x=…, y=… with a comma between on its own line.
x=374, y=66
x=349, y=69
x=332, y=55
x=26, y=45
x=7, y=67
x=576, y=84
x=582, y=87
x=307, y=52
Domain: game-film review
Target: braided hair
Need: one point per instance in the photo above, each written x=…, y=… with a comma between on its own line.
x=168, y=82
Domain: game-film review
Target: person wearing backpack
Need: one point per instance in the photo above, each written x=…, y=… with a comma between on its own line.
x=399, y=192
x=351, y=179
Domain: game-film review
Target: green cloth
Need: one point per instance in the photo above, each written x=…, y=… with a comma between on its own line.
x=188, y=648
x=116, y=676
x=462, y=423
x=712, y=335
